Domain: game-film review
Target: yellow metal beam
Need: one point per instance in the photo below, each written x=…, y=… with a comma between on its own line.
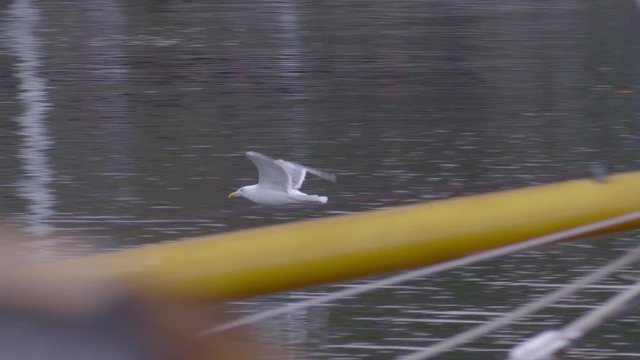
x=275, y=258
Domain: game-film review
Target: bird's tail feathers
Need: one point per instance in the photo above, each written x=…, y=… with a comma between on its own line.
x=316, y=199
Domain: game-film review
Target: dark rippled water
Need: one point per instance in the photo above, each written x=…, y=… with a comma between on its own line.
x=124, y=123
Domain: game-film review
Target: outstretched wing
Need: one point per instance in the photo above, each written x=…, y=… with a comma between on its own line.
x=298, y=172
x=271, y=173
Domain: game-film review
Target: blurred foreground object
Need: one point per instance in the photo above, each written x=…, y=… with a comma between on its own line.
x=44, y=315
x=132, y=304
x=338, y=248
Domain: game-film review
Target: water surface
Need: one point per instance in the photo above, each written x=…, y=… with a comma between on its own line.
x=125, y=123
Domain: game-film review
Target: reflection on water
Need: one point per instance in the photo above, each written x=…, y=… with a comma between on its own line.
x=144, y=110
x=38, y=175
x=105, y=65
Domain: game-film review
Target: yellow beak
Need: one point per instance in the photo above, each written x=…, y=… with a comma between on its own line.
x=233, y=194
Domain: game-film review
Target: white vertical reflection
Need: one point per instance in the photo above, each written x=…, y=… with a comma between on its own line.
x=288, y=21
x=20, y=30
x=106, y=75
x=291, y=54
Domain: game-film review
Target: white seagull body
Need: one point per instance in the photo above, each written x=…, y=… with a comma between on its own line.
x=279, y=181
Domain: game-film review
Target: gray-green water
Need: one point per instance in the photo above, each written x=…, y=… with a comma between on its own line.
x=123, y=123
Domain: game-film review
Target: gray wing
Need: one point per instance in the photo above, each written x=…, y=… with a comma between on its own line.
x=298, y=172
x=271, y=173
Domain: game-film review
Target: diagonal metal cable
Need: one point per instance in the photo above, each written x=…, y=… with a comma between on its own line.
x=476, y=332
x=449, y=265
x=549, y=343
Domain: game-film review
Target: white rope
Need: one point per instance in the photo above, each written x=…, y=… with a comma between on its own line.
x=549, y=343
x=527, y=309
x=449, y=265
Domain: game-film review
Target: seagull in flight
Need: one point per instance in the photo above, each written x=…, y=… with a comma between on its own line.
x=279, y=182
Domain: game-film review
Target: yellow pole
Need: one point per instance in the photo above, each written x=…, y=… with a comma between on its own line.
x=281, y=257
